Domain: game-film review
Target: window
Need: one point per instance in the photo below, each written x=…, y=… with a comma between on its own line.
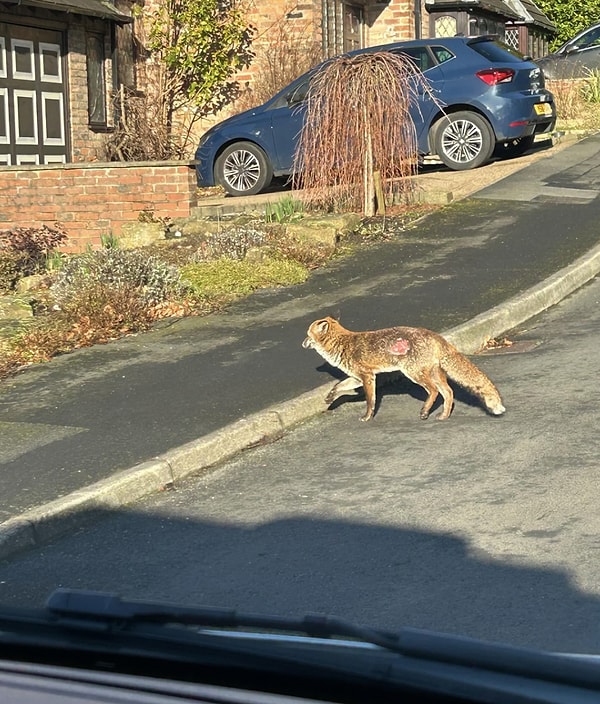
x=33, y=114
x=3, y=72
x=420, y=57
x=4, y=139
x=52, y=118
x=442, y=54
x=95, y=80
x=299, y=93
x=591, y=38
x=445, y=26
x=22, y=59
x=50, y=64
x=353, y=27
x=25, y=107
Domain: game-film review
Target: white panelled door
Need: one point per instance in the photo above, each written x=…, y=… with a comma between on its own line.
x=32, y=96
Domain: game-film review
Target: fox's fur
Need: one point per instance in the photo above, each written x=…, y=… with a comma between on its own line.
x=423, y=356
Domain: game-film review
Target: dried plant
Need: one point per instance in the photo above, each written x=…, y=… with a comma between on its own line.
x=188, y=55
x=282, y=53
x=358, y=125
x=25, y=251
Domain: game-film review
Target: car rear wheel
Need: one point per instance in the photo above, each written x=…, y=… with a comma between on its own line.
x=514, y=147
x=463, y=140
x=243, y=169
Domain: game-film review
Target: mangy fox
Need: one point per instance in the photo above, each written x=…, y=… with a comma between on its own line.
x=423, y=356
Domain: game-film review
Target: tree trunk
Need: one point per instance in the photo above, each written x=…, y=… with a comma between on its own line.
x=368, y=187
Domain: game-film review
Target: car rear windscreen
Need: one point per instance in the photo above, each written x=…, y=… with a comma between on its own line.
x=495, y=51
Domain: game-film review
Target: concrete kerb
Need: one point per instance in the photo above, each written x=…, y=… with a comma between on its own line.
x=45, y=523
x=471, y=336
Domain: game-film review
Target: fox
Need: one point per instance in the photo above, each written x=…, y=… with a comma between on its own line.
x=423, y=356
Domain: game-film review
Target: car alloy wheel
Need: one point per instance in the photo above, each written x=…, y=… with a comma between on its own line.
x=243, y=169
x=463, y=140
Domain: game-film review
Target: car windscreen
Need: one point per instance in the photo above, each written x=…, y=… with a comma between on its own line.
x=496, y=51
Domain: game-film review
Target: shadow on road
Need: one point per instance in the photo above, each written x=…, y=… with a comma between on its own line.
x=381, y=576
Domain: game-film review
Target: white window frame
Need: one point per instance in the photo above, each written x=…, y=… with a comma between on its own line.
x=5, y=160
x=5, y=139
x=55, y=159
x=3, y=66
x=25, y=94
x=46, y=77
x=28, y=160
x=22, y=75
x=46, y=96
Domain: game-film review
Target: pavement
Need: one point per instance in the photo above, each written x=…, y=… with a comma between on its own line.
x=102, y=427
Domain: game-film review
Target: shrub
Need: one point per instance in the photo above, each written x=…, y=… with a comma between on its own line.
x=25, y=251
x=232, y=243
x=10, y=269
x=147, y=277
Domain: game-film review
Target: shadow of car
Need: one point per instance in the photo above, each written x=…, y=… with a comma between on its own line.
x=488, y=101
x=575, y=58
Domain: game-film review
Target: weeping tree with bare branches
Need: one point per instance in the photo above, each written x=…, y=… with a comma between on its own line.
x=358, y=141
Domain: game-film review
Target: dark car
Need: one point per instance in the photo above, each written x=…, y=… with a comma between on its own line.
x=492, y=98
x=575, y=58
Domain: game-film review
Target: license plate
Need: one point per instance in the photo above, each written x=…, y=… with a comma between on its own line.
x=543, y=109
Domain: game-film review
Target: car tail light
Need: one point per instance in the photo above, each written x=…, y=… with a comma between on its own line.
x=493, y=76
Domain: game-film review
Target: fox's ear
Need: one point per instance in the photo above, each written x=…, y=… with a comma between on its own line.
x=322, y=326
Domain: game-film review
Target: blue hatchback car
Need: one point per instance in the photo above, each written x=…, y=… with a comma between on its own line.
x=493, y=102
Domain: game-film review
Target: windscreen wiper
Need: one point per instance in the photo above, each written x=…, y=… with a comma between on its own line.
x=72, y=603
x=99, y=607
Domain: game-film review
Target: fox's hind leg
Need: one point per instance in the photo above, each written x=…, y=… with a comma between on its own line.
x=441, y=382
x=435, y=382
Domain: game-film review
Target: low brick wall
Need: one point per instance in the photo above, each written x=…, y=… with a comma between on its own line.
x=96, y=199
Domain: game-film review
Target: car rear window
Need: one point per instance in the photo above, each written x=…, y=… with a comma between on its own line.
x=419, y=56
x=495, y=51
x=442, y=54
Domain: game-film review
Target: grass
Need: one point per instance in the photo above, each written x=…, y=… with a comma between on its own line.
x=225, y=280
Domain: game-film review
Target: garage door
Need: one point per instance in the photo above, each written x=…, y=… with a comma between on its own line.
x=32, y=96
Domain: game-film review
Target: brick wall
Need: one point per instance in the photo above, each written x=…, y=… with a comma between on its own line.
x=94, y=200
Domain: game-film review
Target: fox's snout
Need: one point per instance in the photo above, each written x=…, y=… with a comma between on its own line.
x=308, y=343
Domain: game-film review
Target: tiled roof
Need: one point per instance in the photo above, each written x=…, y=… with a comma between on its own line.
x=92, y=8
x=498, y=7
x=532, y=14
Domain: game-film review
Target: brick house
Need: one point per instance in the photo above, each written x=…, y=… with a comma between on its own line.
x=330, y=27
x=62, y=60
x=58, y=65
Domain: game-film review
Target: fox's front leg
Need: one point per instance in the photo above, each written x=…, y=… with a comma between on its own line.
x=342, y=387
x=350, y=384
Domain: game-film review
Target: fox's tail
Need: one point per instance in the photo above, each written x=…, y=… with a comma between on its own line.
x=464, y=372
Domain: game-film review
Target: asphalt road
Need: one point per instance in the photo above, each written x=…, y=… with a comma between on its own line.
x=84, y=417
x=483, y=526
